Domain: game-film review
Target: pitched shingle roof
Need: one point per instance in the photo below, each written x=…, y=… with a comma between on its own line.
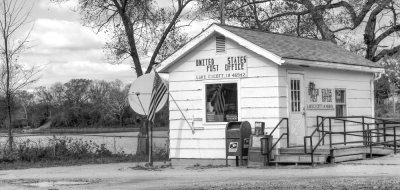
x=293, y=47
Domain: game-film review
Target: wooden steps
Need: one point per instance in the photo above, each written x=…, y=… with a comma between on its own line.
x=347, y=158
x=300, y=150
x=323, y=154
x=299, y=159
x=381, y=151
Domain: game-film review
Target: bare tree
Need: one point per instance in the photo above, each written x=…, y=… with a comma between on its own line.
x=325, y=19
x=136, y=27
x=14, y=15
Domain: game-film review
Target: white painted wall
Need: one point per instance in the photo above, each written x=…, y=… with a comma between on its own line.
x=359, y=93
x=259, y=100
x=262, y=97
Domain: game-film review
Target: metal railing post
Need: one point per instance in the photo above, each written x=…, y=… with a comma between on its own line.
x=370, y=143
x=384, y=134
x=287, y=131
x=369, y=137
x=378, y=132
x=312, y=152
x=394, y=138
x=344, y=130
x=305, y=145
x=319, y=133
x=363, y=127
x=330, y=133
x=323, y=131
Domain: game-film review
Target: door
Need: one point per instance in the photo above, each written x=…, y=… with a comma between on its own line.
x=297, y=129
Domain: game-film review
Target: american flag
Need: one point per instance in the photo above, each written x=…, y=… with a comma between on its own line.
x=219, y=103
x=157, y=94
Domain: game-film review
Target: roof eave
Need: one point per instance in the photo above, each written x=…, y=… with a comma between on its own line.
x=340, y=66
x=205, y=35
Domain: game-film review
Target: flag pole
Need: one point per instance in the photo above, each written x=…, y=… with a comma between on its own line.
x=191, y=127
x=149, y=132
x=151, y=143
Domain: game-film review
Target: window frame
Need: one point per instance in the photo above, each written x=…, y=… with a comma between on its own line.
x=345, y=114
x=298, y=98
x=204, y=111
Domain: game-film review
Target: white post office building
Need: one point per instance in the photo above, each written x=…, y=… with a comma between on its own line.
x=229, y=73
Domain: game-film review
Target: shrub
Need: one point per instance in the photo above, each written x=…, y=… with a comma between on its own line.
x=56, y=149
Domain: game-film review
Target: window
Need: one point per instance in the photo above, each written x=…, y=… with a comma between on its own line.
x=221, y=102
x=340, y=97
x=295, y=95
x=220, y=44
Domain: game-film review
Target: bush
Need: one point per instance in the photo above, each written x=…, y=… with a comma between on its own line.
x=57, y=149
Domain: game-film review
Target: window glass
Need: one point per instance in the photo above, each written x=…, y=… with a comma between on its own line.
x=221, y=102
x=295, y=94
x=340, y=99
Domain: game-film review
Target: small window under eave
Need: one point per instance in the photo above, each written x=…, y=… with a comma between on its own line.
x=220, y=44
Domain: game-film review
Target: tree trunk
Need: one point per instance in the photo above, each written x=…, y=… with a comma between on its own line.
x=26, y=115
x=143, y=139
x=8, y=91
x=120, y=120
x=318, y=20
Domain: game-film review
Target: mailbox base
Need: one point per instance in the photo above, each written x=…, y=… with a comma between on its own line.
x=256, y=159
x=204, y=162
x=238, y=161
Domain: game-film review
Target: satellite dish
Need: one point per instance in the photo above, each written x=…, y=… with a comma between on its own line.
x=140, y=94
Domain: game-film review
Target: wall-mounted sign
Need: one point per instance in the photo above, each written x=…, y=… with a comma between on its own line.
x=221, y=68
x=320, y=99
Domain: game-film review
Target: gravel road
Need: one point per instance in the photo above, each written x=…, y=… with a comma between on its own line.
x=382, y=173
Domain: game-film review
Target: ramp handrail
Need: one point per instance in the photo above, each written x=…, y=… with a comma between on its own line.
x=367, y=133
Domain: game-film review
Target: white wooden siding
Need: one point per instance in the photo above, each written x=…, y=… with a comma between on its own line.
x=358, y=91
x=260, y=99
x=262, y=96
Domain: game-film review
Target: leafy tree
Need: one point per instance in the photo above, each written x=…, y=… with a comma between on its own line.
x=118, y=100
x=26, y=100
x=76, y=91
x=57, y=91
x=45, y=98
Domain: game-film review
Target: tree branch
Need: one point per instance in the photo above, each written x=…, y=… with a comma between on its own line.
x=386, y=52
x=166, y=32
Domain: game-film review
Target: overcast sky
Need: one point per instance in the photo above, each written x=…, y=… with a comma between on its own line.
x=65, y=49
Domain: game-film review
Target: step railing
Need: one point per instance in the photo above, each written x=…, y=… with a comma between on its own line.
x=269, y=150
x=321, y=140
x=368, y=132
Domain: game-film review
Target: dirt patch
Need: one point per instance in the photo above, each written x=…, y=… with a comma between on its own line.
x=53, y=182
x=304, y=183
